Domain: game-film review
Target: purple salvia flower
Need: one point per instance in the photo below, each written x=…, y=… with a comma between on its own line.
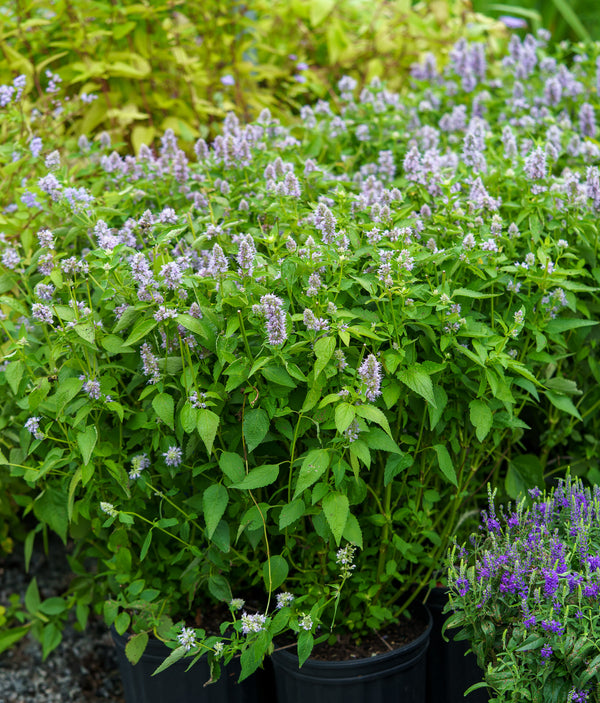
x=41, y=312
x=218, y=261
x=45, y=238
x=311, y=322
x=44, y=291
x=369, y=373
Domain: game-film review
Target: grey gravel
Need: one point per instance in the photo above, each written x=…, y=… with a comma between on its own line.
x=82, y=669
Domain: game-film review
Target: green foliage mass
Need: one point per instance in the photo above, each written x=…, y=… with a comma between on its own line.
x=160, y=65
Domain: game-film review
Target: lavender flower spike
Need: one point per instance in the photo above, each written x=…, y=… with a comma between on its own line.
x=369, y=373
x=272, y=308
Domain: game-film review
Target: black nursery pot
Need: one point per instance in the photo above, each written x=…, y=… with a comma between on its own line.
x=176, y=685
x=393, y=676
x=450, y=671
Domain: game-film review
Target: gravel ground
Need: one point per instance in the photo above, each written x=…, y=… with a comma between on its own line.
x=82, y=669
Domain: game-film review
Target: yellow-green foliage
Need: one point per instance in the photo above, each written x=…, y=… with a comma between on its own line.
x=157, y=64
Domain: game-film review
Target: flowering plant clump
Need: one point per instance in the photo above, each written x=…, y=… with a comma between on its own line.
x=289, y=360
x=525, y=592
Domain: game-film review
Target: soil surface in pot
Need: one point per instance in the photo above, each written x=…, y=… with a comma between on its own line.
x=380, y=642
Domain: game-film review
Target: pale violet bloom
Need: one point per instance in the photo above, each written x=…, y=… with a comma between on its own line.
x=109, y=509
x=187, y=638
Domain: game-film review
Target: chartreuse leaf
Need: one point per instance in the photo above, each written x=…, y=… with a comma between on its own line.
x=314, y=465
x=214, y=503
x=481, y=418
x=11, y=636
x=336, y=509
x=323, y=349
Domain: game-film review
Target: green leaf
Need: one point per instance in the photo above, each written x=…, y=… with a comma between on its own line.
x=524, y=472
x=219, y=587
x=278, y=572
x=436, y=412
x=344, y=415
x=352, y=532
x=50, y=639
x=86, y=441
x=259, y=477
x=255, y=427
x=208, y=423
x=323, y=349
x=377, y=439
x=135, y=647
x=373, y=414
x=146, y=545
x=51, y=507
x=336, y=509
x=86, y=331
x=481, y=418
x=122, y=622
x=418, y=381
x=32, y=597
x=14, y=373
x=164, y=407
x=291, y=512
x=53, y=606
x=140, y=330
x=277, y=374
x=395, y=465
x=232, y=465
x=67, y=390
x=314, y=465
x=305, y=646
x=214, y=503
x=12, y=635
x=175, y=656
x=188, y=416
x=445, y=463
x=563, y=404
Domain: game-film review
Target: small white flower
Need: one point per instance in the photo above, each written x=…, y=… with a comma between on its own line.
x=109, y=509
x=284, y=599
x=305, y=622
x=237, y=603
x=187, y=638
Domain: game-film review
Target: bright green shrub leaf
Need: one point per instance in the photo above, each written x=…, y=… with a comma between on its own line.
x=373, y=414
x=291, y=512
x=344, y=415
x=208, y=423
x=352, y=532
x=122, y=622
x=232, y=465
x=561, y=402
x=255, y=428
x=336, y=509
x=481, y=417
x=214, y=503
x=305, y=646
x=418, y=381
x=259, y=477
x=140, y=330
x=164, y=407
x=175, y=656
x=445, y=463
x=86, y=441
x=52, y=508
x=314, y=465
x=275, y=572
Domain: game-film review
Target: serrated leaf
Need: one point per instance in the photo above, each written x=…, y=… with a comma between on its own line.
x=259, y=477
x=418, y=381
x=373, y=414
x=175, y=656
x=135, y=647
x=232, y=465
x=352, y=532
x=562, y=403
x=164, y=407
x=305, y=646
x=208, y=423
x=344, y=415
x=140, y=330
x=86, y=441
x=277, y=374
x=291, y=512
x=336, y=509
x=481, y=417
x=323, y=349
x=214, y=503
x=396, y=464
x=314, y=465
x=445, y=463
x=255, y=427
x=275, y=572
x=14, y=374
